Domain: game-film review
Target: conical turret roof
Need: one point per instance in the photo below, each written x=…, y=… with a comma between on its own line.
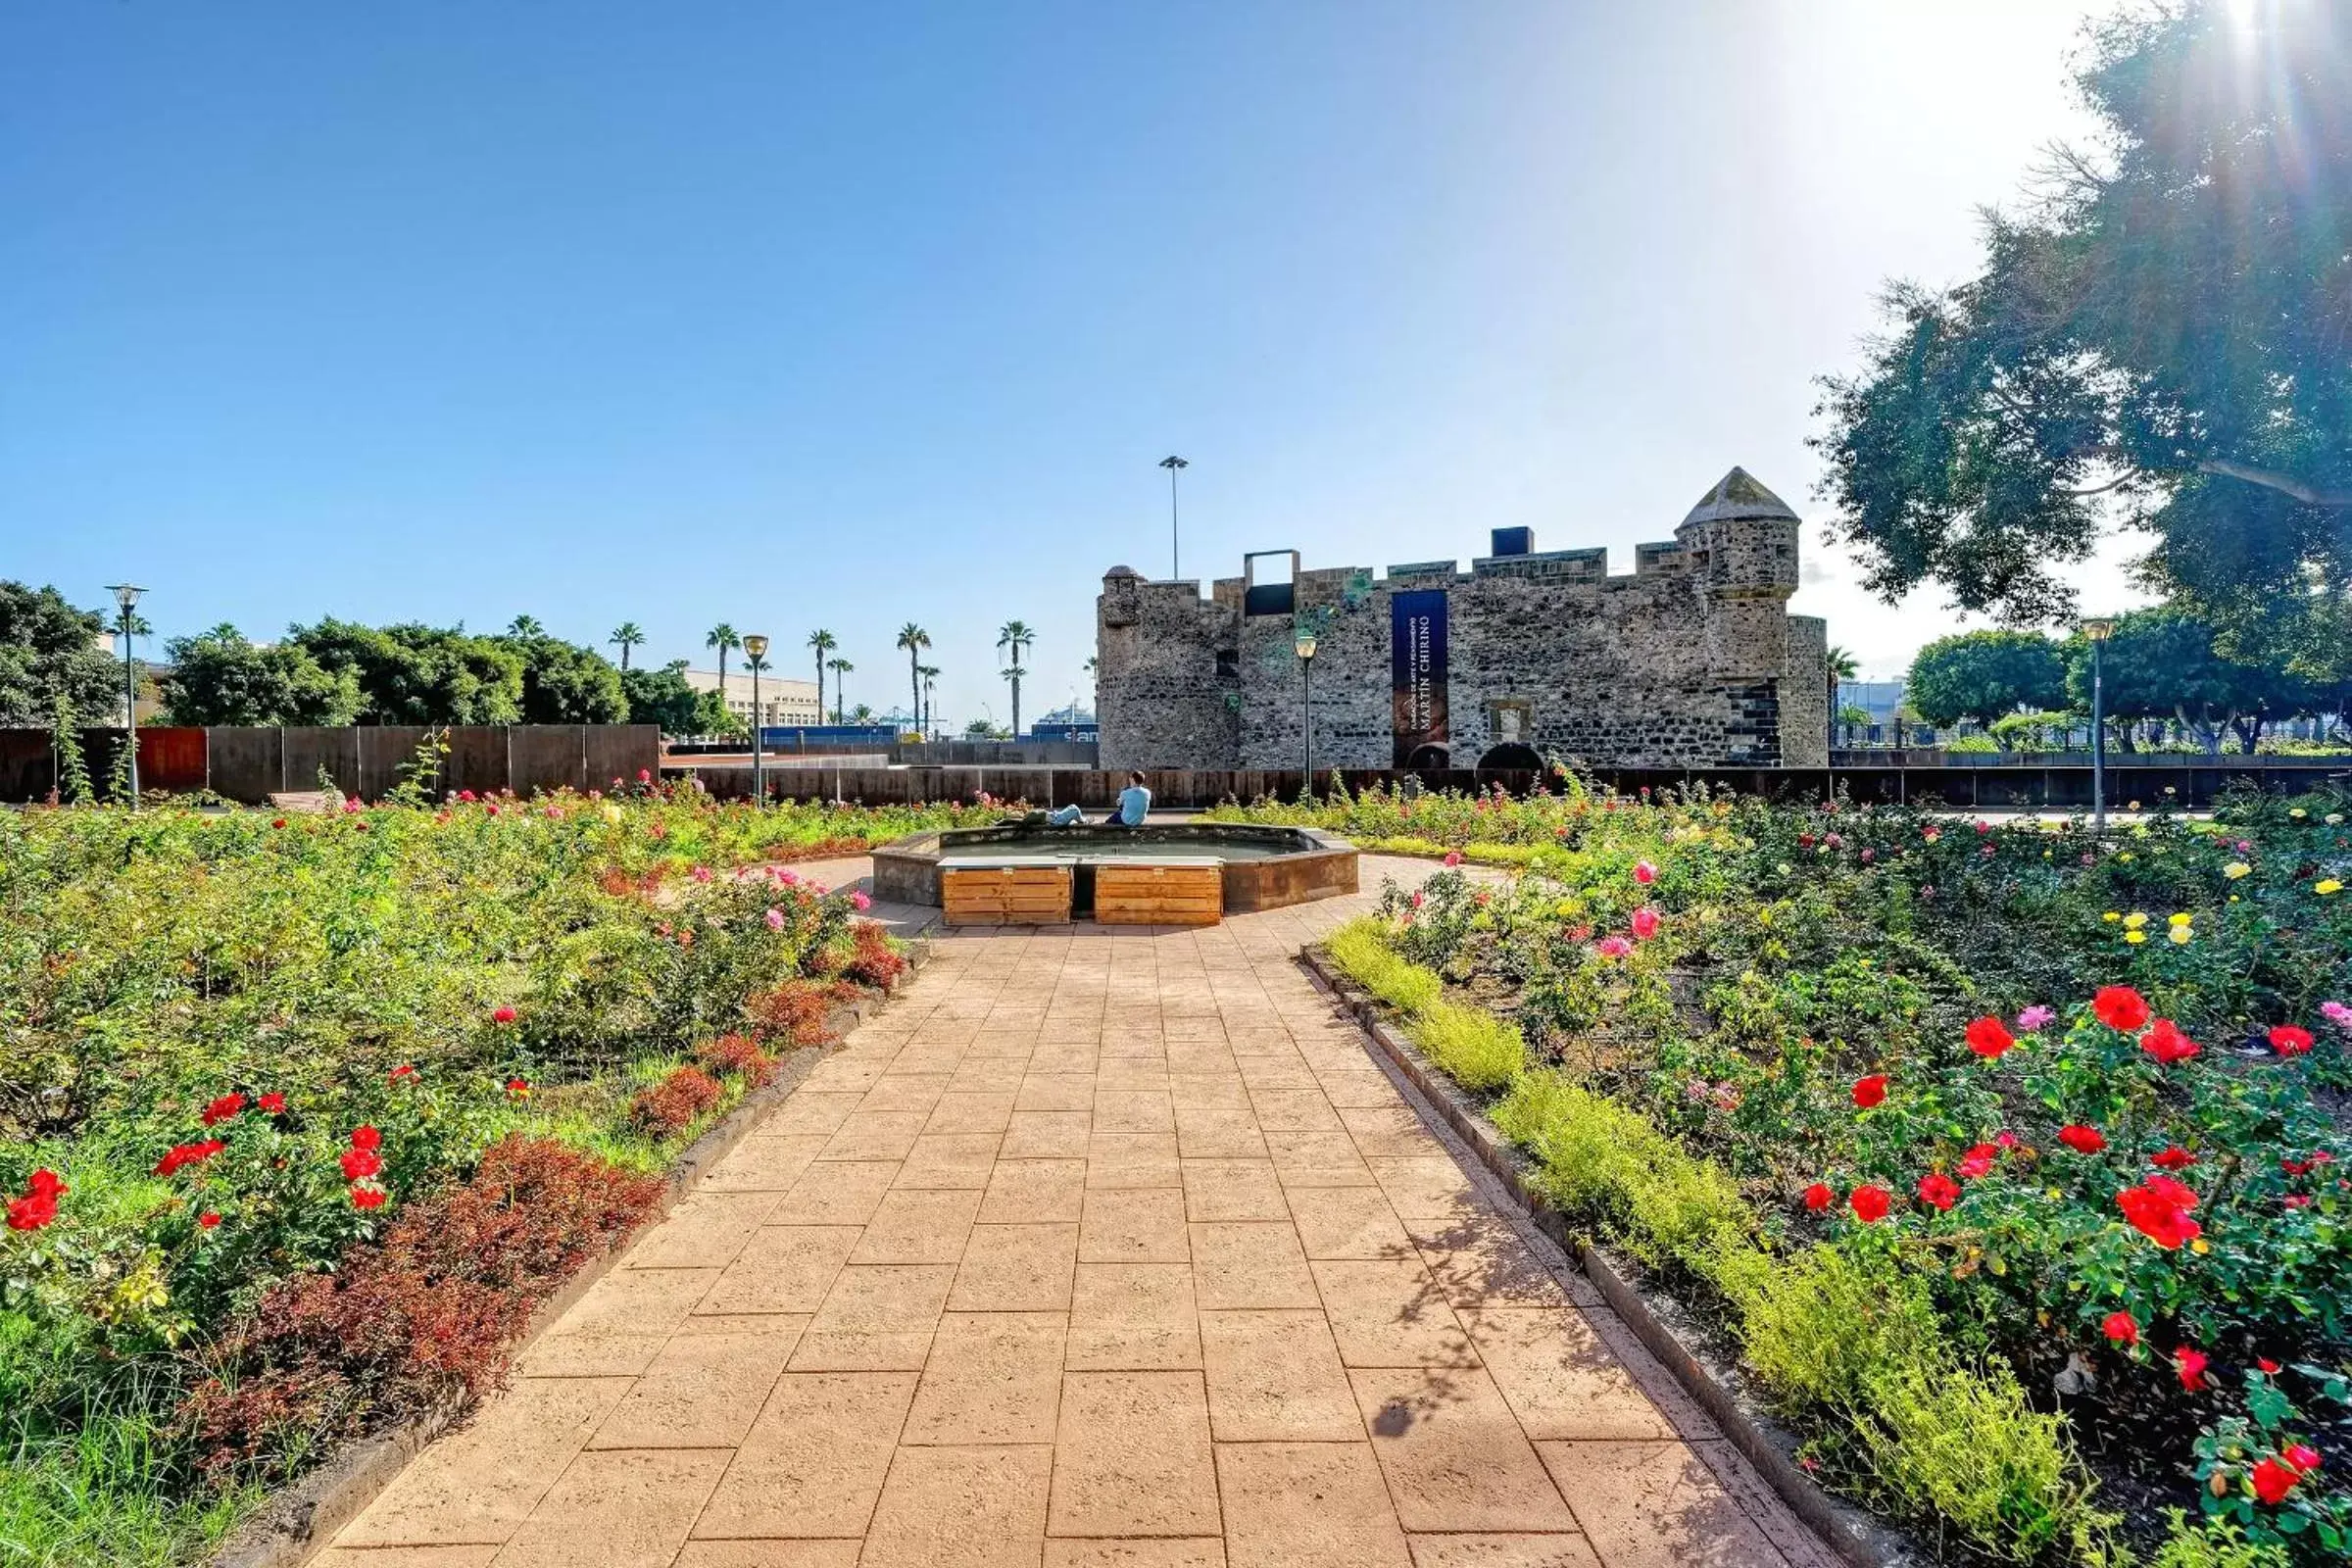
x=1737, y=494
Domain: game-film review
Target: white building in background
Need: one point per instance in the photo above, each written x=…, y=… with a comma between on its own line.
x=782, y=700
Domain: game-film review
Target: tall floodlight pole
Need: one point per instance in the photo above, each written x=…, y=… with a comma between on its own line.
x=755, y=648
x=1173, y=464
x=1304, y=645
x=127, y=595
x=2098, y=631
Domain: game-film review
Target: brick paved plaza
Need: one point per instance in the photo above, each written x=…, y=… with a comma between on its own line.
x=1090, y=1250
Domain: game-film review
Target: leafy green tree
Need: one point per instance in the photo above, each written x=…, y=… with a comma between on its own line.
x=662, y=697
x=219, y=677
x=415, y=675
x=1984, y=675
x=2161, y=340
x=625, y=636
x=525, y=626
x=2164, y=662
x=51, y=650
x=1853, y=722
x=564, y=683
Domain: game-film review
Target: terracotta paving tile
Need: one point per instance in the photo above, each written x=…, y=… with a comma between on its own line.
x=1132, y=1458
x=706, y=1231
x=1048, y=1135
x=1358, y=1088
x=769, y=1555
x=1197, y=1089
x=841, y=1074
x=1132, y=1110
x=1317, y=1159
x=877, y=1317
x=1654, y=1506
x=1219, y=1133
x=1232, y=1188
x=1205, y=1553
x=1390, y=1313
x=875, y=1135
x=1428, y=1187
x=1476, y=1550
x=814, y=1460
x=1307, y=1505
x=702, y=1391
x=918, y=1225
x=1347, y=1222
x=993, y=1377
x=1016, y=1268
x=1265, y=1074
x=903, y=1090
x=479, y=1482
x=405, y=1557
x=1390, y=1132
x=1251, y=1263
x=809, y=1111
x=1028, y=1191
x=1133, y=1317
x=1276, y=1376
x=1558, y=1376
x=620, y=1325
x=1055, y=1092
x=783, y=1268
x=971, y=1113
x=1139, y=1225
x=1453, y=1453
x=836, y=1193
x=1294, y=1111
x=961, y=1508
x=1201, y=1056
x=950, y=1160
x=1479, y=1260
x=763, y=1164
x=619, y=1508
x=1132, y=1159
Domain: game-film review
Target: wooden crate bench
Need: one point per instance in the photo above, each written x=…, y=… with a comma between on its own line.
x=1012, y=891
x=1179, y=889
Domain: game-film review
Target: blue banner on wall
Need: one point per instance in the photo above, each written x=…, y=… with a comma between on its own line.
x=1417, y=672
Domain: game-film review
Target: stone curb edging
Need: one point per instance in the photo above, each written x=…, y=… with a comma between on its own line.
x=1852, y=1535
x=296, y=1523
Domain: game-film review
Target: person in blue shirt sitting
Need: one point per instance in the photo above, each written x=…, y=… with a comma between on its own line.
x=1135, y=804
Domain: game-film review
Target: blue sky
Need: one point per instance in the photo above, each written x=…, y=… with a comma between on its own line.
x=795, y=316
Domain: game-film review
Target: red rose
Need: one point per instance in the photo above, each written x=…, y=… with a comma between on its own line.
x=2302, y=1456
x=366, y=1137
x=1869, y=1203
x=2273, y=1480
x=2269, y=1367
x=367, y=1196
x=1818, y=1197
x=2157, y=1217
x=1939, y=1190
x=207, y=1219
x=360, y=1163
x=2290, y=1041
x=2173, y=1159
x=1870, y=1090
x=2082, y=1140
x=2120, y=1008
x=1646, y=923
x=1978, y=1161
x=1988, y=1038
x=273, y=1103
x=45, y=1184
x=2191, y=1366
x=503, y=1016
x=2171, y=1191
x=221, y=1109
x=404, y=1071
x=2120, y=1328
x=2166, y=1044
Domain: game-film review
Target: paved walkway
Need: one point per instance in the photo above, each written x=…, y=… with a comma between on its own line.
x=1092, y=1250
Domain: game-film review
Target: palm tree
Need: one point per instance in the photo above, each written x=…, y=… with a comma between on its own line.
x=629, y=634
x=224, y=632
x=927, y=674
x=522, y=626
x=1841, y=666
x=839, y=667
x=722, y=637
x=914, y=640
x=861, y=715
x=1014, y=636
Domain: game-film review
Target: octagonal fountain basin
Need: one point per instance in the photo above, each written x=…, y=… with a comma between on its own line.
x=1253, y=867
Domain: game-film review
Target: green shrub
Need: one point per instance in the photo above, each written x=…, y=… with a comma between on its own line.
x=2213, y=1544
x=1477, y=1050
x=1364, y=956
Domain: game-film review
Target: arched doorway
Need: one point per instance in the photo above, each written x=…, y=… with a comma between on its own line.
x=1511, y=758
x=1430, y=757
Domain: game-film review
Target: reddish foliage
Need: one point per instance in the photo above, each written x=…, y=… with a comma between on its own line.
x=420, y=1318
x=674, y=1102
x=798, y=1009
x=736, y=1056
x=877, y=964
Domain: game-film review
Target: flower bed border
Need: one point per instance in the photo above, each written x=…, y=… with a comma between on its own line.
x=1662, y=1324
x=298, y=1522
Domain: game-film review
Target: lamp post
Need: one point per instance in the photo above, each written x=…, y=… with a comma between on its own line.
x=127, y=595
x=2096, y=631
x=1304, y=644
x=755, y=648
x=1173, y=464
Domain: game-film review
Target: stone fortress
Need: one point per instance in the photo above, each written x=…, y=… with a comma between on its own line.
x=1691, y=661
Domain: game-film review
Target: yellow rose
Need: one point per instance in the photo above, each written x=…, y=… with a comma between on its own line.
x=2136, y=938
x=2135, y=920
x=2235, y=869
x=2124, y=856
x=2180, y=935
x=2324, y=889
x=2176, y=919
x=2296, y=812
x=2111, y=917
